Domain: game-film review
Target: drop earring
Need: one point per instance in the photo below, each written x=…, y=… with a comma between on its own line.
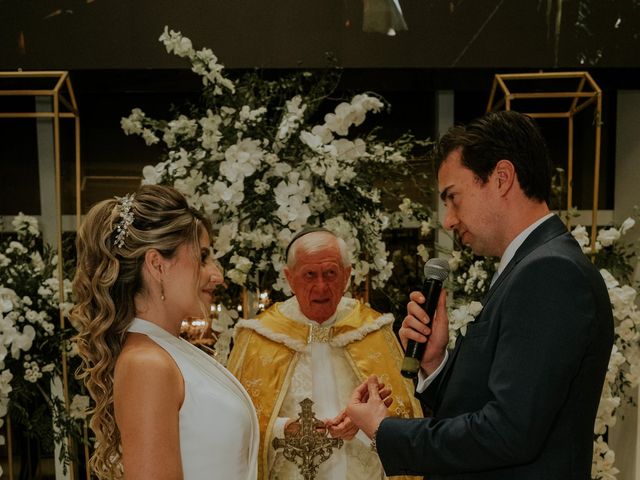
x=162, y=297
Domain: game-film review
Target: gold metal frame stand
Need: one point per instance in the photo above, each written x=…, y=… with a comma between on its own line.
x=57, y=86
x=509, y=89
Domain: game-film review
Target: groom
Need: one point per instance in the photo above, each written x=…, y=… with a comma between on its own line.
x=517, y=397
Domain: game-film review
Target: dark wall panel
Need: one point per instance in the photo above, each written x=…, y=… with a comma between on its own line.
x=88, y=34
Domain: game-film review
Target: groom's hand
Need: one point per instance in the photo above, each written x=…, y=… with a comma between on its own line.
x=419, y=327
x=367, y=408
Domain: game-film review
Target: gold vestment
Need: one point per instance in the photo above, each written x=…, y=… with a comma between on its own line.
x=266, y=350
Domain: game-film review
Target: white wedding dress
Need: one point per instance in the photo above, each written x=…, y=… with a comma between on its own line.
x=218, y=424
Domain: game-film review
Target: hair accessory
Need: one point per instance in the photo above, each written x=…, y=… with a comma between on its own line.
x=126, y=218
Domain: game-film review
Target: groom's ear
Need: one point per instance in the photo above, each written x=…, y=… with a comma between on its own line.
x=504, y=175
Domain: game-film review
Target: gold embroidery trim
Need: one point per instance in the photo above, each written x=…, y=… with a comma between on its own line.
x=319, y=334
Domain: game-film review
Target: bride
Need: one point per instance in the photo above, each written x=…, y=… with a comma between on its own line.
x=163, y=408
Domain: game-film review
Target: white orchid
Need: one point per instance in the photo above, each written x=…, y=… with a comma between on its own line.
x=176, y=43
x=314, y=142
x=627, y=225
x=603, y=461
x=291, y=119
x=423, y=252
x=608, y=236
x=181, y=126
x=290, y=196
x=231, y=194
x=8, y=299
x=241, y=160
x=460, y=317
x=224, y=240
x=189, y=185
x=351, y=114
x=426, y=227
x=241, y=266
x=132, y=125
x=456, y=260
x=149, y=136
x=581, y=235
x=22, y=341
x=36, y=261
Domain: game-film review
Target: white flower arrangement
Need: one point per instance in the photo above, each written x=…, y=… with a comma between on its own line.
x=623, y=374
x=31, y=340
x=262, y=161
x=469, y=282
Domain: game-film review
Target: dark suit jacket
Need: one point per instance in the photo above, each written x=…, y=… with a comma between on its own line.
x=518, y=396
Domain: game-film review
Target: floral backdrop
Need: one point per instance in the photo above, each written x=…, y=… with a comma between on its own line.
x=264, y=157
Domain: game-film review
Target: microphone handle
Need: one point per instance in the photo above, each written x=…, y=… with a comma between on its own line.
x=413, y=354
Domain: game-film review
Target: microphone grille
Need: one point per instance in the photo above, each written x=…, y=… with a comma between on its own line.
x=437, y=269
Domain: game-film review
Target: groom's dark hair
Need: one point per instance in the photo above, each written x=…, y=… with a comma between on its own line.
x=504, y=135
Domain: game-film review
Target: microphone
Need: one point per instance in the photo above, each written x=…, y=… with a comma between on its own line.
x=436, y=271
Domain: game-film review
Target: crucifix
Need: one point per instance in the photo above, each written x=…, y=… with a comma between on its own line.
x=311, y=445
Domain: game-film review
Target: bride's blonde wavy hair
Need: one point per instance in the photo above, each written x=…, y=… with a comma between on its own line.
x=108, y=277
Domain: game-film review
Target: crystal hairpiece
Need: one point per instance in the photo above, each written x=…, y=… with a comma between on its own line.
x=126, y=218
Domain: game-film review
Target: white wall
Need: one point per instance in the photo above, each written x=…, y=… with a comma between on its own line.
x=624, y=436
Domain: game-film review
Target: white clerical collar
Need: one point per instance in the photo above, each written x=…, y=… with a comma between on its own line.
x=515, y=244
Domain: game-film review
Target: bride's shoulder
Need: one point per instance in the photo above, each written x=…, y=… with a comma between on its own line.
x=143, y=360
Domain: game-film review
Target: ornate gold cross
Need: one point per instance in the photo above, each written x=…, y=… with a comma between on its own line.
x=311, y=445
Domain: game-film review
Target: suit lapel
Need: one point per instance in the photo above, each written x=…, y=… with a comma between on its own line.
x=545, y=232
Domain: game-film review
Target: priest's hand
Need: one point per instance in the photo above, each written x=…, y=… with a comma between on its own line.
x=368, y=405
x=419, y=327
x=293, y=427
x=341, y=427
